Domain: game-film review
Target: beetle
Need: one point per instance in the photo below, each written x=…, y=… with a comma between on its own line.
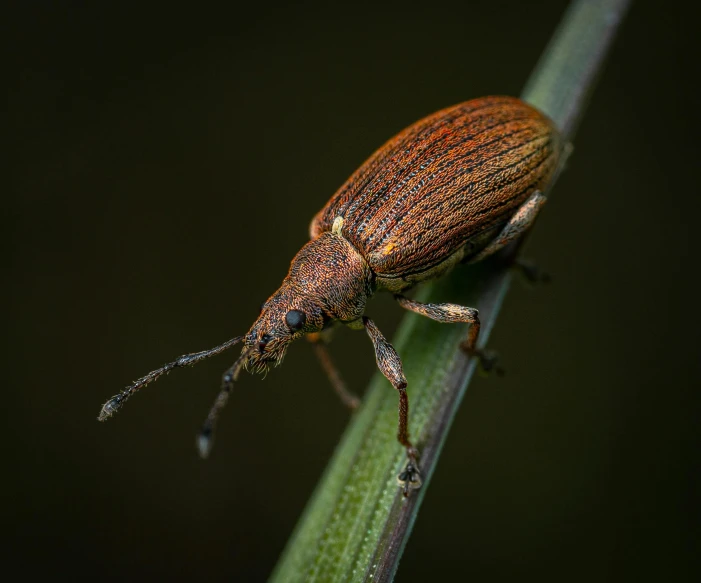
x=454, y=187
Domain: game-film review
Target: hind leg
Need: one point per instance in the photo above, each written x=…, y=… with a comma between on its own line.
x=515, y=228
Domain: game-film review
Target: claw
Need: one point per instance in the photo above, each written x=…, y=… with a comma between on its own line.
x=410, y=478
x=488, y=360
x=531, y=272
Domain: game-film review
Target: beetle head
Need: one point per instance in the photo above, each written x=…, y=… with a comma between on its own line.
x=328, y=281
x=284, y=317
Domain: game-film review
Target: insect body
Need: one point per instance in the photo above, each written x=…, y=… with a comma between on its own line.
x=454, y=187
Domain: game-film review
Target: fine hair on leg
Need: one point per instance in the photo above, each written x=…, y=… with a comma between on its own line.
x=454, y=313
x=390, y=365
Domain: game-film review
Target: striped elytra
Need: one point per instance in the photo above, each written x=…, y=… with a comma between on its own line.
x=442, y=182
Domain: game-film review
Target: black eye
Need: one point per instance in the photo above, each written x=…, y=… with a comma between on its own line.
x=295, y=320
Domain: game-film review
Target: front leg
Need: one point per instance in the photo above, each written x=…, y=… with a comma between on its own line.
x=390, y=364
x=318, y=341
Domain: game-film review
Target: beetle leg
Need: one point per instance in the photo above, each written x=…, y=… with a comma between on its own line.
x=347, y=397
x=453, y=314
x=517, y=226
x=390, y=364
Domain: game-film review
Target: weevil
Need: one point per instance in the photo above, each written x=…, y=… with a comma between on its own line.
x=454, y=187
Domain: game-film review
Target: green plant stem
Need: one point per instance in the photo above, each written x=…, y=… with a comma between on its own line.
x=357, y=522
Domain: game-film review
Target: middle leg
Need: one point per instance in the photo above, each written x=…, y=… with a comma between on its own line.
x=453, y=314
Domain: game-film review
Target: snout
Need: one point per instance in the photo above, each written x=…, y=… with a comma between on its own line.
x=263, y=342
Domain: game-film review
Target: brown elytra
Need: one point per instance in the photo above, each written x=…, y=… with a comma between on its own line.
x=454, y=187
x=440, y=184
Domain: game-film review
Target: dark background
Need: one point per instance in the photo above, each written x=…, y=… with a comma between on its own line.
x=163, y=168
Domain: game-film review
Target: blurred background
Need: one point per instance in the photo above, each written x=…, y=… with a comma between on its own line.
x=164, y=165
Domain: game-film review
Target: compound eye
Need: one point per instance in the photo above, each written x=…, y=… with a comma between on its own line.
x=295, y=320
